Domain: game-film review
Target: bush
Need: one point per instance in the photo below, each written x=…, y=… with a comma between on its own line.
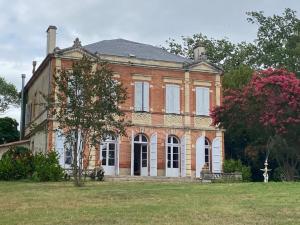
x=232, y=166
x=16, y=164
x=19, y=163
x=47, y=168
x=97, y=174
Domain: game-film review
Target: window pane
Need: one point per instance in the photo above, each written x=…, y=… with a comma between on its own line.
x=169, y=149
x=104, y=152
x=111, y=154
x=175, y=150
x=137, y=138
x=206, y=158
x=175, y=156
x=206, y=151
x=169, y=164
x=111, y=162
x=144, y=163
x=175, y=141
x=169, y=156
x=175, y=164
x=144, y=139
x=144, y=155
x=68, y=156
x=111, y=146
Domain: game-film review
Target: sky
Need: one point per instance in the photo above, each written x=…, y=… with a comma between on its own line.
x=23, y=25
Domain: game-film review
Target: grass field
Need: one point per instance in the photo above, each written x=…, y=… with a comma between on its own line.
x=149, y=203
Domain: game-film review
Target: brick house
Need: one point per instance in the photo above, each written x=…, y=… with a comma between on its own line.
x=169, y=99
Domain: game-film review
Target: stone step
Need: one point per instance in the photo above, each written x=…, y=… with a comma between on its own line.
x=149, y=178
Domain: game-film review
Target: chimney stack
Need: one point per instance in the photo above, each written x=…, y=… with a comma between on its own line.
x=199, y=53
x=51, y=39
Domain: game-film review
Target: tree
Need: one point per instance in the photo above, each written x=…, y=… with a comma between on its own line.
x=266, y=109
x=220, y=52
x=8, y=130
x=8, y=95
x=278, y=40
x=86, y=106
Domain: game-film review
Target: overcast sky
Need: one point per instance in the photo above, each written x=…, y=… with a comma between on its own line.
x=23, y=25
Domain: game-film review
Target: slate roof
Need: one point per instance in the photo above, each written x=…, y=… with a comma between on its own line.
x=125, y=48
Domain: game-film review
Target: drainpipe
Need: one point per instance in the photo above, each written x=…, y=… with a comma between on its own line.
x=22, y=107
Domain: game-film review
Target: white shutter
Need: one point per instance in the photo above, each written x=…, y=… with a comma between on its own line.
x=59, y=147
x=118, y=157
x=216, y=155
x=146, y=97
x=183, y=156
x=166, y=152
x=200, y=155
x=199, y=94
x=176, y=99
x=168, y=98
x=79, y=149
x=138, y=96
x=202, y=101
x=132, y=152
x=206, y=101
x=153, y=155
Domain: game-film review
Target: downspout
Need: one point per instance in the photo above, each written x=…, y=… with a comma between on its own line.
x=22, y=108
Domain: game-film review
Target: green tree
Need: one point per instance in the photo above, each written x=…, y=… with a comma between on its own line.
x=8, y=95
x=86, y=107
x=221, y=52
x=278, y=40
x=8, y=130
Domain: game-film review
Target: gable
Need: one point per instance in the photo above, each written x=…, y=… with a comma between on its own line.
x=205, y=67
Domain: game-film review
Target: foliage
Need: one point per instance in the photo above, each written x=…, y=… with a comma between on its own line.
x=8, y=130
x=8, y=95
x=46, y=167
x=97, y=174
x=16, y=164
x=277, y=44
x=220, y=52
x=231, y=166
x=268, y=107
x=278, y=40
x=86, y=106
x=237, y=78
x=19, y=163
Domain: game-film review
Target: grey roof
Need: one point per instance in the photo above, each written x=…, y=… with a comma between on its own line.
x=121, y=47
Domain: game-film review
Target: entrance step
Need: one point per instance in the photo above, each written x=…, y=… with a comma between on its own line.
x=152, y=179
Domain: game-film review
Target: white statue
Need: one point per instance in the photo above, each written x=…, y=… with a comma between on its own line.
x=266, y=170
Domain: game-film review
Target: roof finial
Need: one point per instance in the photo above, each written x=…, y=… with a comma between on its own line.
x=77, y=43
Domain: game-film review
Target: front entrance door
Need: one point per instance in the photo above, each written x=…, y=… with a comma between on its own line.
x=140, y=160
x=172, y=153
x=140, y=156
x=108, y=156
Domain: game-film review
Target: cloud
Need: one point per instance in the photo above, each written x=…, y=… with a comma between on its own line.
x=23, y=24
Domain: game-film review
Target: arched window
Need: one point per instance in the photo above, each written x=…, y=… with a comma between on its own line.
x=140, y=138
x=173, y=152
x=207, y=152
x=140, y=155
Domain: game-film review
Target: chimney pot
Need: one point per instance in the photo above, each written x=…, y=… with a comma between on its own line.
x=51, y=39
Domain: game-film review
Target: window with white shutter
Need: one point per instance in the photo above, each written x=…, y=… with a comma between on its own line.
x=172, y=98
x=141, y=96
x=202, y=101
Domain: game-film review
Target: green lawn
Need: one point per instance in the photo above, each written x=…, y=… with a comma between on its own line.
x=149, y=203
